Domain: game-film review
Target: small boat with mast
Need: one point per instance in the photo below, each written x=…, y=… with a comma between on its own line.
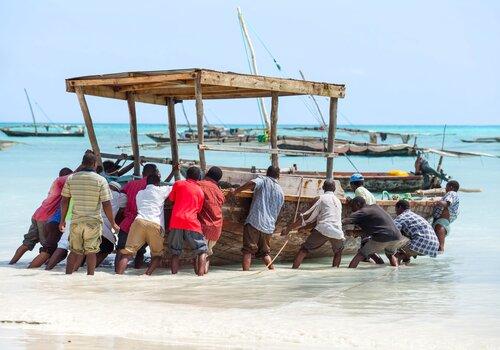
x=43, y=130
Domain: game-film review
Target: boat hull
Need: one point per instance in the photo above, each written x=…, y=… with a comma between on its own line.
x=21, y=133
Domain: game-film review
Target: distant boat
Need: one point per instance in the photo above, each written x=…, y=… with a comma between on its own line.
x=61, y=130
x=483, y=140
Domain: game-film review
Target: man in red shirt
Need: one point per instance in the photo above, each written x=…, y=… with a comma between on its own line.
x=211, y=214
x=131, y=189
x=187, y=198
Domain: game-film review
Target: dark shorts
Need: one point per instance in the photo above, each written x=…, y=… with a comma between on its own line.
x=36, y=233
x=53, y=236
x=389, y=248
x=122, y=241
x=255, y=242
x=106, y=246
x=316, y=241
x=196, y=241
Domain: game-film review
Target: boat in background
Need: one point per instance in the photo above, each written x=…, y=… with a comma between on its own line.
x=39, y=130
x=483, y=140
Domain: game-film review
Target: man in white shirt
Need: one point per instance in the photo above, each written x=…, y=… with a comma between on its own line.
x=326, y=212
x=118, y=203
x=148, y=226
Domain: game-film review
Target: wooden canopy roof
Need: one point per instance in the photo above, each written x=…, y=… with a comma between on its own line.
x=155, y=86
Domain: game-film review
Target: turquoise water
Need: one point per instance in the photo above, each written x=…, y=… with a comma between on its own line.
x=452, y=301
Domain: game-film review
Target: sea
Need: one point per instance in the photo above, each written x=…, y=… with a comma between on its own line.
x=452, y=301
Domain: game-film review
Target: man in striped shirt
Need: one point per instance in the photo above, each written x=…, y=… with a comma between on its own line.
x=89, y=191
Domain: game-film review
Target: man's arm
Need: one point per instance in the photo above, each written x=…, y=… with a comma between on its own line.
x=175, y=168
x=64, y=211
x=108, y=210
x=249, y=186
x=123, y=170
x=313, y=214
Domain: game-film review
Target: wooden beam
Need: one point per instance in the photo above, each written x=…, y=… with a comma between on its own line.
x=272, y=84
x=133, y=133
x=158, y=78
x=158, y=160
x=199, y=119
x=274, y=128
x=172, y=129
x=332, y=128
x=244, y=149
x=89, y=125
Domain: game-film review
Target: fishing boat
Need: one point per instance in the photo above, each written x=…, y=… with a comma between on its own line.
x=482, y=140
x=199, y=84
x=6, y=144
x=345, y=147
x=44, y=130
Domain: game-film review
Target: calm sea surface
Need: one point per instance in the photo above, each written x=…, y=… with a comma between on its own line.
x=449, y=302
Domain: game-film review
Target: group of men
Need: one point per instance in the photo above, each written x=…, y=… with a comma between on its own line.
x=83, y=213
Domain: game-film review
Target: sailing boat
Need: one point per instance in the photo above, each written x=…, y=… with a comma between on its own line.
x=63, y=130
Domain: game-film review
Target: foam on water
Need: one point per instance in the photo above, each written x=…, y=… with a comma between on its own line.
x=448, y=302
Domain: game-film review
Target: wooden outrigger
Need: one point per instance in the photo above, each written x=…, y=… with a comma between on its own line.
x=172, y=86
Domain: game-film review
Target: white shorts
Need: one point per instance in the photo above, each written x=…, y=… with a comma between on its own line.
x=64, y=241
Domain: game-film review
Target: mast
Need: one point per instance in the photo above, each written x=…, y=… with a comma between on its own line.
x=253, y=67
x=185, y=116
x=31, y=110
x=315, y=103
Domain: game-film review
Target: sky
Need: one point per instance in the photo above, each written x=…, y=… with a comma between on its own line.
x=403, y=62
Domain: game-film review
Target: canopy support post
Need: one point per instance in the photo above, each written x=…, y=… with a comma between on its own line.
x=199, y=120
x=274, y=128
x=172, y=129
x=88, y=124
x=332, y=128
x=133, y=133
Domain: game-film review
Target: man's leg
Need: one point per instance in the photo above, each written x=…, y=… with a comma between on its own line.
x=91, y=263
x=199, y=246
x=49, y=244
x=155, y=262
x=268, y=261
x=392, y=259
x=139, y=257
x=122, y=263
x=154, y=237
x=29, y=241
x=174, y=264
x=105, y=249
x=79, y=261
x=39, y=260
x=356, y=260
x=71, y=262
x=18, y=254
x=441, y=235
x=175, y=241
x=247, y=261
x=58, y=256
x=377, y=259
x=120, y=244
x=202, y=264
x=299, y=258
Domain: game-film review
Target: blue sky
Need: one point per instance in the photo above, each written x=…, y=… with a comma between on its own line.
x=403, y=62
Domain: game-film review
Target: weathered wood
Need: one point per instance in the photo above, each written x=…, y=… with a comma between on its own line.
x=89, y=124
x=172, y=129
x=147, y=159
x=274, y=129
x=199, y=120
x=152, y=87
x=263, y=150
x=332, y=127
x=133, y=133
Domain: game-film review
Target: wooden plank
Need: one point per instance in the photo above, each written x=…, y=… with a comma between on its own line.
x=199, y=120
x=133, y=133
x=158, y=160
x=106, y=91
x=264, y=150
x=172, y=129
x=274, y=129
x=332, y=127
x=128, y=80
x=89, y=125
x=272, y=84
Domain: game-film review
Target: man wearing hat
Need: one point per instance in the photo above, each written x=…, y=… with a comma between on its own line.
x=357, y=185
x=118, y=203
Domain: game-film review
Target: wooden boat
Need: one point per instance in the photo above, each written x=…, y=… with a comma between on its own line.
x=6, y=144
x=165, y=138
x=349, y=148
x=197, y=84
x=24, y=133
x=483, y=140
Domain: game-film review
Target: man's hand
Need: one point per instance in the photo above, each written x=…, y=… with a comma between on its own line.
x=286, y=231
x=62, y=225
x=115, y=227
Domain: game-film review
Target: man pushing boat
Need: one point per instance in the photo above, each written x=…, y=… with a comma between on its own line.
x=326, y=213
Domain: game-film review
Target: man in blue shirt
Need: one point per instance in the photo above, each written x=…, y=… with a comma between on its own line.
x=268, y=198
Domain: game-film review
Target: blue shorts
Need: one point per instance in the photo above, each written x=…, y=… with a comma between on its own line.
x=196, y=241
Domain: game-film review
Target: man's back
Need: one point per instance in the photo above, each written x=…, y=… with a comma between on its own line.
x=131, y=189
x=150, y=203
x=88, y=191
x=211, y=213
x=369, y=198
x=267, y=201
x=187, y=197
x=376, y=222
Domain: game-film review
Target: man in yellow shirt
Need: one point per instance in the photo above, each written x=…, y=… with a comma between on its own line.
x=89, y=191
x=357, y=182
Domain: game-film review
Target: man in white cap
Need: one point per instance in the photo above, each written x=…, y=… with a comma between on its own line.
x=118, y=203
